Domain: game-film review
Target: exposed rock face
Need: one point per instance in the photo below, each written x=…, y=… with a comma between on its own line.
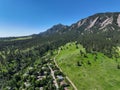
x=100, y=21
x=118, y=20
x=92, y=23
x=106, y=22
x=80, y=23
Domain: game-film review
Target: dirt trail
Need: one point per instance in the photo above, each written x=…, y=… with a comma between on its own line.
x=75, y=88
x=52, y=73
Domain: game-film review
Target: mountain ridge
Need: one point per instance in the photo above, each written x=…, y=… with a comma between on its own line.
x=100, y=21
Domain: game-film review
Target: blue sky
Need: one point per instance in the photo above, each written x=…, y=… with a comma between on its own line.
x=25, y=17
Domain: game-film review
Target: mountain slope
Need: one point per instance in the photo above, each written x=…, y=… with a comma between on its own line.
x=98, y=32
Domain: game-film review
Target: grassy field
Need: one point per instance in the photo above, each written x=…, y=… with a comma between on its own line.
x=93, y=74
x=21, y=38
x=18, y=38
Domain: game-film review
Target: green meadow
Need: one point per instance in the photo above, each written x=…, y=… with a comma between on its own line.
x=89, y=71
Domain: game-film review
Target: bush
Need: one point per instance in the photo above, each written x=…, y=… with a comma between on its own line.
x=79, y=63
x=118, y=66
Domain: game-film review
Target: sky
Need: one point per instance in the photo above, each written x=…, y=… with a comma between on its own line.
x=26, y=17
